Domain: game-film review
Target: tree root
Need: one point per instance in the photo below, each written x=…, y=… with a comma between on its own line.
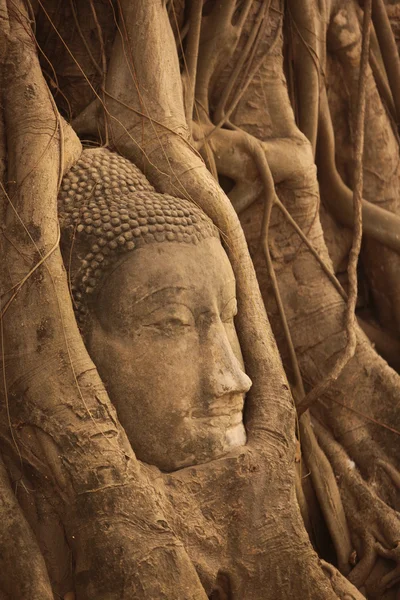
x=326, y=489
x=321, y=472
x=380, y=224
x=389, y=50
x=391, y=471
x=256, y=34
x=383, y=87
x=20, y=548
x=351, y=344
x=374, y=526
x=385, y=344
x=191, y=57
x=217, y=44
x=308, y=50
x=254, y=148
x=343, y=588
x=234, y=156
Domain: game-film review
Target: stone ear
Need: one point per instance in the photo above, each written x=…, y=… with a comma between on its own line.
x=94, y=336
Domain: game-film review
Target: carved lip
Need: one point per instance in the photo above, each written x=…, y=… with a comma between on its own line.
x=232, y=411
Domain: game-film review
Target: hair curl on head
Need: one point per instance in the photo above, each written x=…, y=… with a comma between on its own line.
x=106, y=208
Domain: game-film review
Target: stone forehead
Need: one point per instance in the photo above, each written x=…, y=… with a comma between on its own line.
x=107, y=207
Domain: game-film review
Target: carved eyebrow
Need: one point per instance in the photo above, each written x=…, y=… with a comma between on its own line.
x=164, y=289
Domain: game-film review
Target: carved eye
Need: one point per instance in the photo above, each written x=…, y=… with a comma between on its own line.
x=171, y=319
x=172, y=323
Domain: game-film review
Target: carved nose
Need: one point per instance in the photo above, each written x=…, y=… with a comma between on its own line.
x=223, y=372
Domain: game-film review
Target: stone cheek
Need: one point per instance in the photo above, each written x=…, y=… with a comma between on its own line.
x=107, y=207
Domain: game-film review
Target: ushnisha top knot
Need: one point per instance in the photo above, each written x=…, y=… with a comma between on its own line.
x=107, y=208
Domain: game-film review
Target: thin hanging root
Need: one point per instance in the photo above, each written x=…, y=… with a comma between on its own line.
x=270, y=194
x=383, y=87
x=83, y=39
x=378, y=223
x=307, y=61
x=381, y=80
x=209, y=159
x=391, y=471
x=328, y=272
x=191, y=104
x=42, y=260
x=250, y=74
x=389, y=51
x=351, y=344
x=301, y=499
x=253, y=41
x=191, y=56
x=218, y=43
x=103, y=65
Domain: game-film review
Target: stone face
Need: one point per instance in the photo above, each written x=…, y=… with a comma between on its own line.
x=157, y=318
x=163, y=338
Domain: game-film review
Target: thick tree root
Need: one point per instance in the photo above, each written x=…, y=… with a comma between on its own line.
x=326, y=489
x=19, y=549
x=374, y=526
x=342, y=587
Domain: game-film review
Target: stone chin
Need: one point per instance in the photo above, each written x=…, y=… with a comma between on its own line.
x=233, y=428
x=213, y=438
x=236, y=436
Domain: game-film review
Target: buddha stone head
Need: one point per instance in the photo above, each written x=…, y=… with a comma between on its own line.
x=154, y=294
